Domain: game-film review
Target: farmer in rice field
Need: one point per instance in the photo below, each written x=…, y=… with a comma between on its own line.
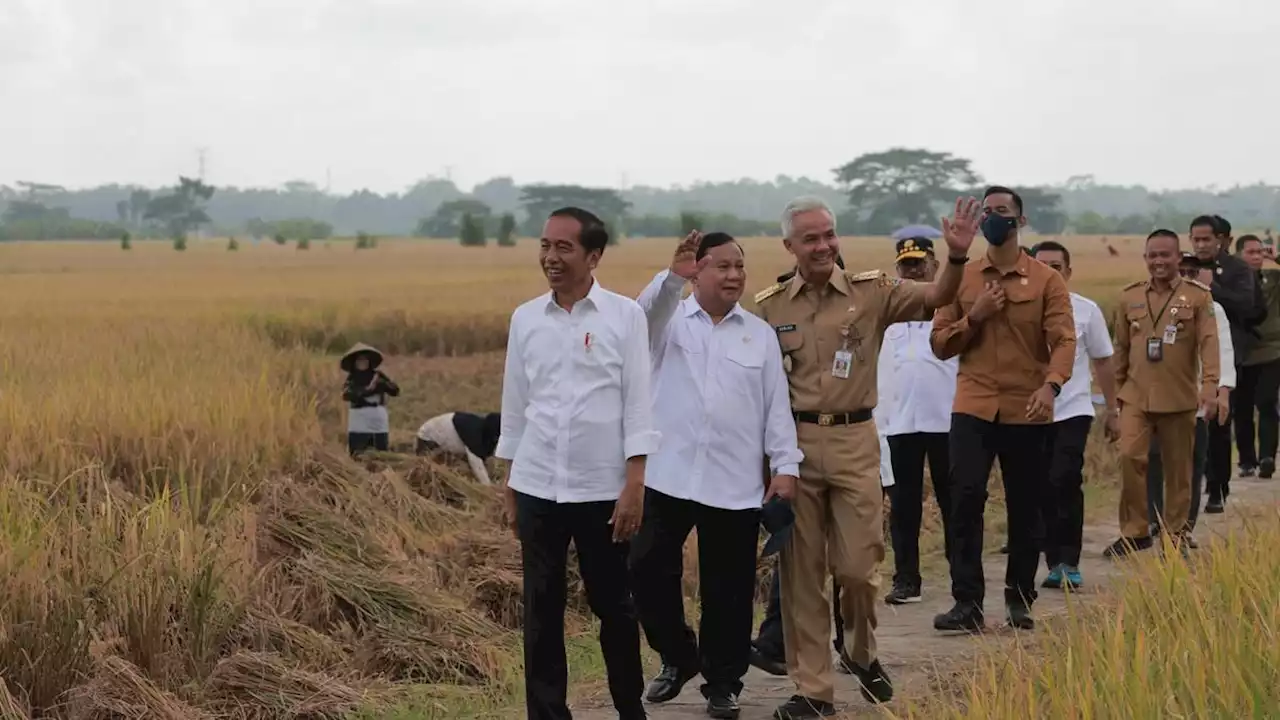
x=1073, y=415
x=720, y=403
x=1190, y=269
x=465, y=434
x=1167, y=367
x=830, y=324
x=1011, y=325
x=577, y=427
x=366, y=391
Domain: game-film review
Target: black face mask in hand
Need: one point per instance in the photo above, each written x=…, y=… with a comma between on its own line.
x=997, y=228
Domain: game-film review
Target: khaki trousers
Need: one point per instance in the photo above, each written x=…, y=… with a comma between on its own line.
x=1176, y=435
x=838, y=508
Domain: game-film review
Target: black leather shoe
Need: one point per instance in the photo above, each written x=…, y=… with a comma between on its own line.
x=668, y=684
x=1126, y=546
x=723, y=705
x=874, y=683
x=963, y=617
x=775, y=666
x=1020, y=616
x=800, y=707
x=1214, y=506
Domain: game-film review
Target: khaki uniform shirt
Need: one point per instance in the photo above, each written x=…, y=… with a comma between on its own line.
x=850, y=311
x=1147, y=315
x=1013, y=353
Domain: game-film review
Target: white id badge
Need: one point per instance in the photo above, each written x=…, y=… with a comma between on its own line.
x=1170, y=334
x=840, y=366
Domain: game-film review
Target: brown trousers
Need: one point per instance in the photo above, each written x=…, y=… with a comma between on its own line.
x=1176, y=435
x=839, y=508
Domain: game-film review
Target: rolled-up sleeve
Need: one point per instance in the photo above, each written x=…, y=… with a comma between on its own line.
x=1059, y=330
x=515, y=395
x=780, y=442
x=639, y=436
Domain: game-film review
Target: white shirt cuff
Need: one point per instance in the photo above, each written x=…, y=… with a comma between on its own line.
x=645, y=443
x=792, y=469
x=507, y=447
x=672, y=281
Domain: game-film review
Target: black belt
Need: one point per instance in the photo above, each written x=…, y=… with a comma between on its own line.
x=826, y=419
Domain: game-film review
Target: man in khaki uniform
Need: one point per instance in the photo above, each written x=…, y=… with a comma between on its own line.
x=830, y=324
x=1164, y=327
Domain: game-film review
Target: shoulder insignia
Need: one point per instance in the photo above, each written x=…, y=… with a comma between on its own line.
x=1132, y=285
x=864, y=276
x=1199, y=284
x=769, y=292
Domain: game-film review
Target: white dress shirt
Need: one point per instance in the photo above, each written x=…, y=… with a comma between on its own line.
x=1226, y=353
x=720, y=401
x=915, y=388
x=1093, y=342
x=440, y=430
x=575, y=397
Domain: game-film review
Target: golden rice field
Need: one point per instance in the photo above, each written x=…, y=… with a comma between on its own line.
x=183, y=536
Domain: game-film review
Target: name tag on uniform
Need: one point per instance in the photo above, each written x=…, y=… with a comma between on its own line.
x=1170, y=334
x=784, y=328
x=840, y=365
x=1155, y=350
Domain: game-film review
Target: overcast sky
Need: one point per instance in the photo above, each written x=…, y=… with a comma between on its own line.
x=1168, y=93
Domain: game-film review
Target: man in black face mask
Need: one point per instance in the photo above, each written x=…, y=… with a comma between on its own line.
x=1013, y=329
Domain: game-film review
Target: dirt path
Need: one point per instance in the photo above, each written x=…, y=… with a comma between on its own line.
x=909, y=646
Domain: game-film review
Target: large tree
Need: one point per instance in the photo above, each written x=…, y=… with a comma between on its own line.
x=1043, y=209
x=900, y=186
x=182, y=210
x=446, y=221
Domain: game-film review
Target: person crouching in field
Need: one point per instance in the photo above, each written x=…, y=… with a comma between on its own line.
x=462, y=433
x=366, y=392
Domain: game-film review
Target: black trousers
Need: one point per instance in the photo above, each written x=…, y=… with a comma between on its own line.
x=1155, y=476
x=1064, y=512
x=771, y=641
x=907, y=454
x=1257, y=388
x=1218, y=464
x=545, y=529
x=975, y=446
x=359, y=442
x=726, y=578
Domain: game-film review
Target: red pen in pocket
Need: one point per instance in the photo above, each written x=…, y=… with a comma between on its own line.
x=586, y=342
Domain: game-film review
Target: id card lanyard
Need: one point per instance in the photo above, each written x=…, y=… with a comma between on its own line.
x=1155, y=345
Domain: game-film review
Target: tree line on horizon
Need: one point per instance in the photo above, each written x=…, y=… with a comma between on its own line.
x=873, y=194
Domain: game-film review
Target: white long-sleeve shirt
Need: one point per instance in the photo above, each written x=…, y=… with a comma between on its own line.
x=575, y=397
x=720, y=401
x=440, y=430
x=916, y=389
x=1093, y=342
x=1226, y=353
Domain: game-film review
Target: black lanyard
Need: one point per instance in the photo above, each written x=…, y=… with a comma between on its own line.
x=1156, y=320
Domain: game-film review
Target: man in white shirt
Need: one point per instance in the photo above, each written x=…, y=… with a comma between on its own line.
x=916, y=391
x=721, y=404
x=1063, y=511
x=577, y=426
x=1190, y=268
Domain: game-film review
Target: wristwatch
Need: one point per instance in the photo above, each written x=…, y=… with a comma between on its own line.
x=957, y=260
x=1056, y=388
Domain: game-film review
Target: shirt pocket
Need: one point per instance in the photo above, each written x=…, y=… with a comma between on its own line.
x=1023, y=306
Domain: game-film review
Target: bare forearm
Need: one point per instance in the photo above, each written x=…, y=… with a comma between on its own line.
x=635, y=470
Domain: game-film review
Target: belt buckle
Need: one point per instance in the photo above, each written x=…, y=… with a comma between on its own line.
x=825, y=420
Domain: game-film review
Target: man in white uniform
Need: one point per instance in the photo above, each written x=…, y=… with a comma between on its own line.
x=721, y=402
x=1063, y=510
x=916, y=391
